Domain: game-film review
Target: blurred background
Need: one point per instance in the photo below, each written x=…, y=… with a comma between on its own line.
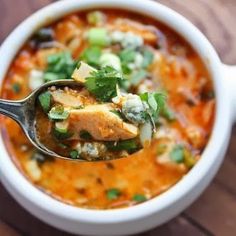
x=214, y=213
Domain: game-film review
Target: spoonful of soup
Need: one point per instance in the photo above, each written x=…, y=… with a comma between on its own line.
x=88, y=117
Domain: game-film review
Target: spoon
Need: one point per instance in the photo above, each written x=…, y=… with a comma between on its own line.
x=24, y=113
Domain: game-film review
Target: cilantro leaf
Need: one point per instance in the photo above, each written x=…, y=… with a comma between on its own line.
x=155, y=102
x=102, y=83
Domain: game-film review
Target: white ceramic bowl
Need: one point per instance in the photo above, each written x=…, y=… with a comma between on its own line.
x=162, y=208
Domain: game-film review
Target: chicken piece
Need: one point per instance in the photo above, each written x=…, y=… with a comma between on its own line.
x=82, y=72
x=66, y=99
x=101, y=123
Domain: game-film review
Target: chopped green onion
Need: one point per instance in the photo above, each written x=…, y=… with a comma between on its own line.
x=16, y=87
x=91, y=55
x=147, y=58
x=127, y=55
x=60, y=135
x=50, y=76
x=128, y=145
x=168, y=113
x=139, y=198
x=74, y=154
x=84, y=134
x=137, y=77
x=98, y=37
x=58, y=113
x=110, y=59
x=161, y=148
x=45, y=101
x=113, y=193
x=63, y=131
x=189, y=159
x=95, y=17
x=177, y=154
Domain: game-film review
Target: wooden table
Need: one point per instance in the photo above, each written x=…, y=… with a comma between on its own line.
x=214, y=213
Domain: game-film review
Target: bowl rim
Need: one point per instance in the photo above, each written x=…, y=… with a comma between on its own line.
x=213, y=150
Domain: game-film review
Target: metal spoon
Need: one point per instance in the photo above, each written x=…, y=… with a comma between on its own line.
x=24, y=112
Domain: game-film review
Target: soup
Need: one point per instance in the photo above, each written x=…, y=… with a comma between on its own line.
x=152, y=58
x=75, y=121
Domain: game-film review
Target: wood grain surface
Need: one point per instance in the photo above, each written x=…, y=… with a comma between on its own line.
x=214, y=213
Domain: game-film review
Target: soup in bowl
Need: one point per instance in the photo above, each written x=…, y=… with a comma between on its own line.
x=151, y=57
x=153, y=53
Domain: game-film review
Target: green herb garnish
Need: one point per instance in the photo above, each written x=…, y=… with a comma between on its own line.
x=16, y=87
x=84, y=134
x=139, y=198
x=58, y=113
x=61, y=136
x=177, y=154
x=102, y=83
x=155, y=102
x=116, y=112
x=62, y=145
x=74, y=154
x=95, y=17
x=161, y=148
x=98, y=37
x=91, y=55
x=189, y=159
x=127, y=55
x=130, y=145
x=168, y=113
x=60, y=66
x=147, y=58
x=137, y=77
x=45, y=101
x=113, y=193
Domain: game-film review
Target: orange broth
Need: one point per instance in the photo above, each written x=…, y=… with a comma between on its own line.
x=180, y=72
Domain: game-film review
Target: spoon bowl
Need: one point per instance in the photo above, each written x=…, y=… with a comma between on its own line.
x=24, y=113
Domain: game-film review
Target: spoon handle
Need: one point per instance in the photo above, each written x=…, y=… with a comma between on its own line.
x=14, y=110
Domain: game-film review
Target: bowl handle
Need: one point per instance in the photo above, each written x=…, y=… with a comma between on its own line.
x=229, y=72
